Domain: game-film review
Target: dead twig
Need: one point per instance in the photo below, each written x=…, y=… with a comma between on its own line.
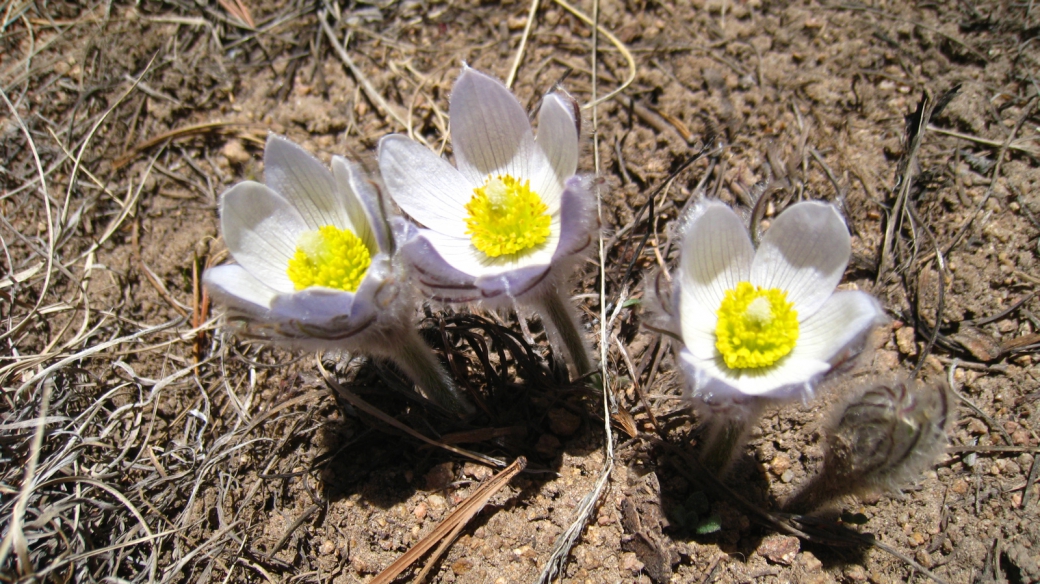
x=449, y=529
x=359, y=75
x=187, y=131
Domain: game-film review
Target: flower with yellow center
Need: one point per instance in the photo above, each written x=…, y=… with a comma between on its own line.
x=314, y=267
x=509, y=222
x=512, y=216
x=765, y=322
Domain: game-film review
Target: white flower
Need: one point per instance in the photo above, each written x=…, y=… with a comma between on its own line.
x=312, y=248
x=766, y=322
x=512, y=218
x=315, y=267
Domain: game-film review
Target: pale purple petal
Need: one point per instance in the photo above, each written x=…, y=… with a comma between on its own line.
x=303, y=180
x=323, y=308
x=364, y=205
x=514, y=283
x=578, y=221
x=463, y=256
x=804, y=253
x=558, y=123
x=424, y=185
x=436, y=277
x=261, y=230
x=490, y=132
x=337, y=315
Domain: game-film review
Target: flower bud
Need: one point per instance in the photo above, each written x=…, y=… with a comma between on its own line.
x=882, y=438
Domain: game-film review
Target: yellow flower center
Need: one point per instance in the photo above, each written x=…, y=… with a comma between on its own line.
x=329, y=257
x=757, y=326
x=506, y=217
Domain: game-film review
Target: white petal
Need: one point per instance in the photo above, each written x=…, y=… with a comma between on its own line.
x=424, y=185
x=716, y=255
x=261, y=230
x=841, y=323
x=362, y=204
x=461, y=255
x=490, y=132
x=558, y=135
x=557, y=138
x=232, y=284
x=711, y=377
x=804, y=252
x=700, y=339
x=305, y=182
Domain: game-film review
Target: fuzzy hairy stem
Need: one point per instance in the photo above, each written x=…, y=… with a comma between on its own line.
x=561, y=326
x=421, y=365
x=727, y=433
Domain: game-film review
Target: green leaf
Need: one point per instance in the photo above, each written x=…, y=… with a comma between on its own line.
x=710, y=525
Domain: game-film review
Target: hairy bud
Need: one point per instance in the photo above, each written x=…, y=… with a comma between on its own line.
x=882, y=438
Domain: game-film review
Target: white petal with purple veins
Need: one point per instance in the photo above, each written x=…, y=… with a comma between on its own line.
x=261, y=230
x=804, y=253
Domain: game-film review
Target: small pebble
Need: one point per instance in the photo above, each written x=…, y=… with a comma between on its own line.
x=235, y=152
x=780, y=464
x=548, y=445
x=440, y=476
x=809, y=562
x=630, y=562
x=563, y=423
x=779, y=549
x=856, y=573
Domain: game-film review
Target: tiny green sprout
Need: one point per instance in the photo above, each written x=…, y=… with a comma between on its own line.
x=688, y=514
x=712, y=524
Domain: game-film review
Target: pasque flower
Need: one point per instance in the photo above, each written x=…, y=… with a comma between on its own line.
x=315, y=266
x=766, y=322
x=509, y=221
x=763, y=323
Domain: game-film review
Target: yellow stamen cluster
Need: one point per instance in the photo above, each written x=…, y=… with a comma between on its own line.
x=756, y=327
x=329, y=257
x=506, y=217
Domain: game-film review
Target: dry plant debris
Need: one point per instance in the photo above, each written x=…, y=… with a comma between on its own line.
x=139, y=442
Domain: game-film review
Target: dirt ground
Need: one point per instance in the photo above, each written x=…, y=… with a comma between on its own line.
x=140, y=441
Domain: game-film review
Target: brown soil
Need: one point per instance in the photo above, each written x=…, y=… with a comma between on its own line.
x=173, y=451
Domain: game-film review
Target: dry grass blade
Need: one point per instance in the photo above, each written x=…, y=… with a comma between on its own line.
x=597, y=29
x=523, y=44
x=358, y=74
x=566, y=540
x=193, y=130
x=451, y=526
x=1022, y=145
x=916, y=127
x=239, y=11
